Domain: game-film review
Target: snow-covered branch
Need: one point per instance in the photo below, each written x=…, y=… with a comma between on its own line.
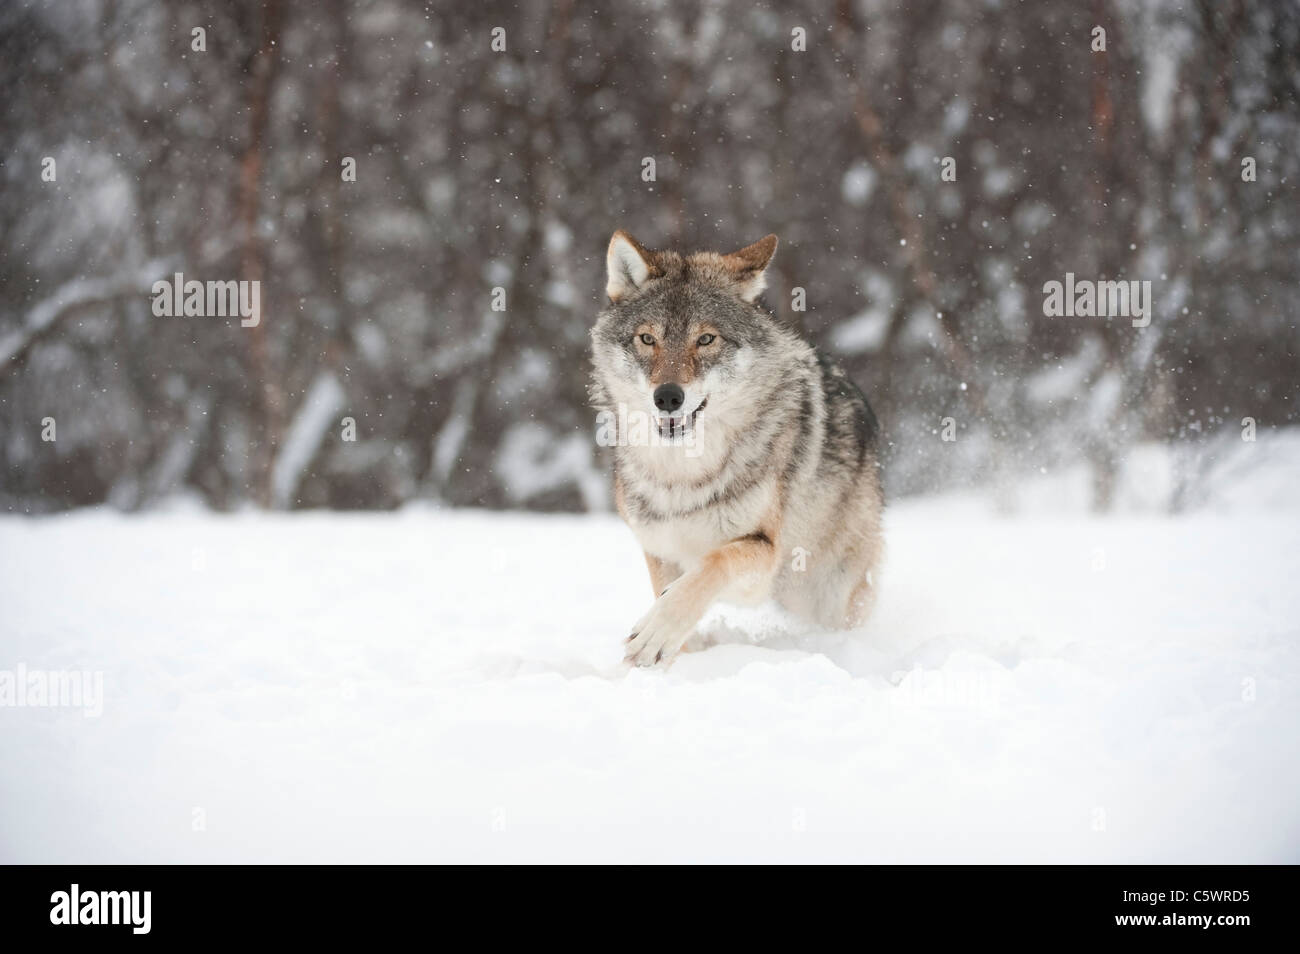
x=79, y=293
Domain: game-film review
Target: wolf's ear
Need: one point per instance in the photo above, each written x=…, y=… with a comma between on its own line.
x=750, y=266
x=629, y=266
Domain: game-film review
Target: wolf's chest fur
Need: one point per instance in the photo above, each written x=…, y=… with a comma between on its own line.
x=685, y=535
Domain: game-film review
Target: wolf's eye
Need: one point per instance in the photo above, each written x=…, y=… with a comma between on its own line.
x=706, y=340
x=647, y=339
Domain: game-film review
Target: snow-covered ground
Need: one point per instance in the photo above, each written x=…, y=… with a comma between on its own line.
x=447, y=686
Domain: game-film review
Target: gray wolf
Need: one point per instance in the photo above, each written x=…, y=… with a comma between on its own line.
x=763, y=481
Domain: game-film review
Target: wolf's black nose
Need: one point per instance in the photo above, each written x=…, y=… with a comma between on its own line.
x=669, y=397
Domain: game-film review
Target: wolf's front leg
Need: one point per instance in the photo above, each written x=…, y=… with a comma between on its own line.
x=659, y=636
x=662, y=573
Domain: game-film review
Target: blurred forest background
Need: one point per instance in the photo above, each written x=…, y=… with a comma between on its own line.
x=478, y=169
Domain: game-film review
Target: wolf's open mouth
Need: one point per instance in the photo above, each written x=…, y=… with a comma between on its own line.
x=680, y=425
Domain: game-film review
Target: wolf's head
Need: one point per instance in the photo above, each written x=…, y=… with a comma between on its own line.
x=683, y=337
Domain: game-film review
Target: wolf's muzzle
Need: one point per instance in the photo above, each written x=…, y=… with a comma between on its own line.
x=669, y=397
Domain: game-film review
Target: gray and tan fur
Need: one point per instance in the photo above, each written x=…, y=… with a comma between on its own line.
x=765, y=482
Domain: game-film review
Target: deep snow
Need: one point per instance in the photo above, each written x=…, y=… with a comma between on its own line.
x=447, y=686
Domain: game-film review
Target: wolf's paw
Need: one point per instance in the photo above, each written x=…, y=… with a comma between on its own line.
x=659, y=635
